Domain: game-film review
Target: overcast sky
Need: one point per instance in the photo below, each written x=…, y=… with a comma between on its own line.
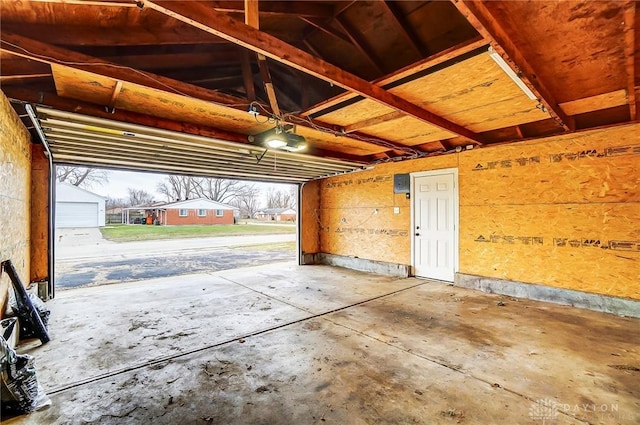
x=121, y=181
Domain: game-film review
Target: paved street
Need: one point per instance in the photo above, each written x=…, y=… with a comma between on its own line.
x=83, y=258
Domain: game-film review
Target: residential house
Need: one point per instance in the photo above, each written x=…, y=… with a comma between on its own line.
x=276, y=214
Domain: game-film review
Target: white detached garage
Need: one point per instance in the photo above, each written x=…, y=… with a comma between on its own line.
x=76, y=207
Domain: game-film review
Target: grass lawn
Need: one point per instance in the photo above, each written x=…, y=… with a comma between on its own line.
x=137, y=232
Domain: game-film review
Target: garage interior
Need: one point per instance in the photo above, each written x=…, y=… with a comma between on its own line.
x=469, y=247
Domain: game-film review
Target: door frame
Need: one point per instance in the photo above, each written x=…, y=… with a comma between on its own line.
x=456, y=214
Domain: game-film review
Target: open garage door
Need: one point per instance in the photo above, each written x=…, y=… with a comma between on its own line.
x=97, y=142
x=76, y=214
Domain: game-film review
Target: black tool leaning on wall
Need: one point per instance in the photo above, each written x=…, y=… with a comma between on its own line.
x=28, y=315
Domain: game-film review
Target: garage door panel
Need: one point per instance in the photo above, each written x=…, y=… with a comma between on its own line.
x=76, y=214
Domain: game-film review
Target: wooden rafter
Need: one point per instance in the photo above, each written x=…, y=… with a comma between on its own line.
x=324, y=27
x=311, y=48
x=247, y=76
x=358, y=43
x=45, y=53
x=479, y=16
x=404, y=28
x=343, y=6
x=630, y=56
x=111, y=36
x=42, y=52
x=307, y=9
x=216, y=23
x=22, y=77
x=252, y=19
x=90, y=3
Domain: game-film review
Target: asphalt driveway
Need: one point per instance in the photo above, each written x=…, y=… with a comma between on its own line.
x=84, y=258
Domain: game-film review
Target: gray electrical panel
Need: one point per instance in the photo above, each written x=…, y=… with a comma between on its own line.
x=401, y=183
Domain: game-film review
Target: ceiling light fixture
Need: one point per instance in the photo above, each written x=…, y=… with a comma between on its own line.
x=511, y=73
x=282, y=137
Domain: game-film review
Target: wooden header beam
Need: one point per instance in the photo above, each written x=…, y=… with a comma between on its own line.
x=221, y=25
x=479, y=16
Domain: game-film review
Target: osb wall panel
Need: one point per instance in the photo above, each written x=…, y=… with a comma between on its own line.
x=561, y=211
x=598, y=166
x=587, y=247
x=357, y=215
x=15, y=168
x=310, y=219
x=39, y=213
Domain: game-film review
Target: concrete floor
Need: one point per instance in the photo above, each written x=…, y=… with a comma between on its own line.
x=282, y=344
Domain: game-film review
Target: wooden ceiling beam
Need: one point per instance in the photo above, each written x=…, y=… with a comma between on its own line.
x=309, y=8
x=405, y=29
x=252, y=19
x=481, y=18
x=125, y=3
x=306, y=8
x=630, y=56
x=46, y=53
x=407, y=71
x=219, y=24
x=71, y=35
x=359, y=44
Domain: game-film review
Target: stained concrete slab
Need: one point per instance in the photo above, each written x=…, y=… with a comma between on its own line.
x=349, y=348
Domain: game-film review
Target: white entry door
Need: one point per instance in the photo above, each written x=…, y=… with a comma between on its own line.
x=434, y=215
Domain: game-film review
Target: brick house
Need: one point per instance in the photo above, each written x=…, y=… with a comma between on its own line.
x=276, y=214
x=190, y=212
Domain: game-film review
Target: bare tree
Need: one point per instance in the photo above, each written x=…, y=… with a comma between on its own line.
x=115, y=203
x=177, y=188
x=220, y=190
x=247, y=201
x=139, y=197
x=81, y=176
x=281, y=198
